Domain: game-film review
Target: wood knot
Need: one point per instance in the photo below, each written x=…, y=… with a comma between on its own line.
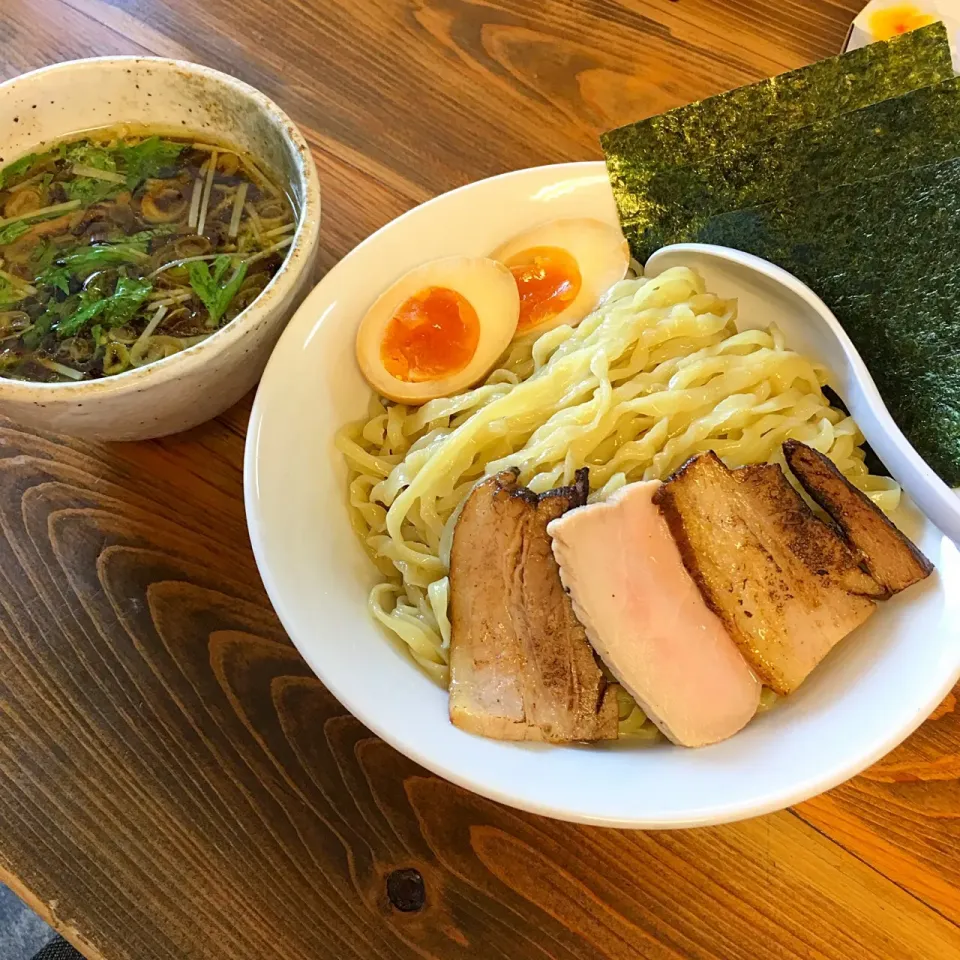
x=406, y=890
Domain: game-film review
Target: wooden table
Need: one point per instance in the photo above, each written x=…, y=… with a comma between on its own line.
x=174, y=783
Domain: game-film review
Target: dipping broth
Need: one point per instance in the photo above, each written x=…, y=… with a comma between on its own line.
x=118, y=251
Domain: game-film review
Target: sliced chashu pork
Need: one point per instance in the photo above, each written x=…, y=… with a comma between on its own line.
x=521, y=667
x=740, y=547
x=893, y=561
x=826, y=555
x=647, y=620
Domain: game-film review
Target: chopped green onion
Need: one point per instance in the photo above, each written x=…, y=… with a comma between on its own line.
x=255, y=223
x=181, y=263
x=22, y=286
x=207, y=190
x=64, y=371
x=238, y=202
x=255, y=174
x=280, y=231
x=29, y=182
x=45, y=213
x=93, y=173
x=195, y=203
x=266, y=253
x=150, y=327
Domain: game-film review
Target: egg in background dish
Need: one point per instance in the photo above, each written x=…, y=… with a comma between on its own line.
x=899, y=19
x=439, y=329
x=562, y=268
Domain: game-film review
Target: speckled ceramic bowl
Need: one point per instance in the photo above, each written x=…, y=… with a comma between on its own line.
x=171, y=96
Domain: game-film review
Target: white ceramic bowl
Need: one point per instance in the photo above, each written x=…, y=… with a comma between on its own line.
x=872, y=691
x=170, y=96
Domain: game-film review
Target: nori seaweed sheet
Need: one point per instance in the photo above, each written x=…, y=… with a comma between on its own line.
x=698, y=131
x=921, y=127
x=884, y=254
x=828, y=87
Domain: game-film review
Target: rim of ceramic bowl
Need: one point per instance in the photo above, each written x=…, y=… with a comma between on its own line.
x=286, y=277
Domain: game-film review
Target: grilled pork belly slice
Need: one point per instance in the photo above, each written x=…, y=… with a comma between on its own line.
x=894, y=562
x=647, y=620
x=521, y=667
x=824, y=553
x=740, y=548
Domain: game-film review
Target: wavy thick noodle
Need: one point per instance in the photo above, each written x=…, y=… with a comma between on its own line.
x=657, y=374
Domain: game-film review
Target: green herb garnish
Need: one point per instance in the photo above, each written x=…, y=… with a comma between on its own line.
x=114, y=310
x=10, y=292
x=216, y=295
x=76, y=321
x=89, y=190
x=43, y=325
x=85, y=260
x=147, y=158
x=127, y=299
x=88, y=155
x=16, y=169
x=13, y=231
x=44, y=253
x=82, y=261
x=56, y=276
x=145, y=236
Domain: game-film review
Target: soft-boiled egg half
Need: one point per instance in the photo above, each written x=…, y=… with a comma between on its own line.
x=439, y=329
x=562, y=268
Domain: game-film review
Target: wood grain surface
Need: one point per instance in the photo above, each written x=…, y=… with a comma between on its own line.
x=173, y=781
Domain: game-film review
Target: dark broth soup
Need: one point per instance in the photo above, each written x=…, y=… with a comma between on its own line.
x=117, y=251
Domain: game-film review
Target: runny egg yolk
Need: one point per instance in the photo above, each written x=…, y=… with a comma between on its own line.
x=548, y=281
x=433, y=334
